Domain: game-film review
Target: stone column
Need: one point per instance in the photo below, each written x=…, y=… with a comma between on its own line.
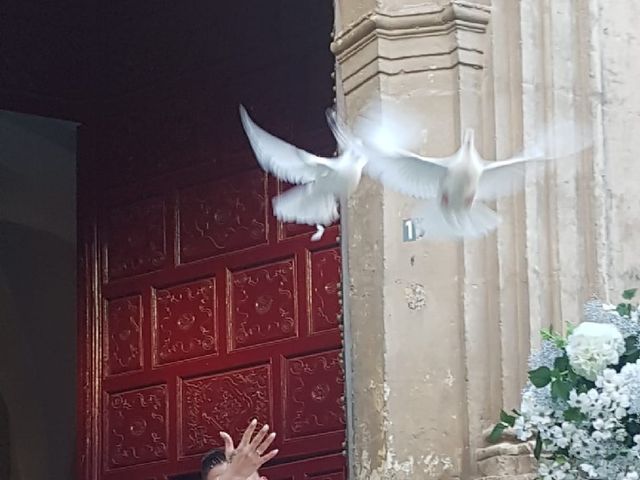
x=568, y=236
x=615, y=68
x=410, y=345
x=437, y=335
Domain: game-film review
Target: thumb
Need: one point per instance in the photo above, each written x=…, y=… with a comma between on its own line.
x=228, y=444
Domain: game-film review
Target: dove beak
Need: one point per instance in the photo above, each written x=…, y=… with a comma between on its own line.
x=467, y=140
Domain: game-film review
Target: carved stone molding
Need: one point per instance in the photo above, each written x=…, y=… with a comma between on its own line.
x=510, y=459
x=433, y=38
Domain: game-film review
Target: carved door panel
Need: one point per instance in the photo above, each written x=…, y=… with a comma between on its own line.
x=199, y=310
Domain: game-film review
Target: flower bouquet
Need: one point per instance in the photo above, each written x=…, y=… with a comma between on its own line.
x=582, y=402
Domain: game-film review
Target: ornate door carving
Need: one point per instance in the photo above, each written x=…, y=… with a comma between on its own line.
x=200, y=311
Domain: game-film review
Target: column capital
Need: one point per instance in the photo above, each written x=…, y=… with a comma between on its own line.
x=434, y=37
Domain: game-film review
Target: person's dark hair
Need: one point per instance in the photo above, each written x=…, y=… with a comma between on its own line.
x=210, y=460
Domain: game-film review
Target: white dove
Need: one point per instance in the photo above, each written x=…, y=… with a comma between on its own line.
x=323, y=182
x=456, y=186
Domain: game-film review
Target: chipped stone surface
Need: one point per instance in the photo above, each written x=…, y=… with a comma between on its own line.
x=415, y=296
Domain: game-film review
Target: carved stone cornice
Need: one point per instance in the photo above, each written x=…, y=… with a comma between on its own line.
x=412, y=20
x=411, y=39
x=510, y=459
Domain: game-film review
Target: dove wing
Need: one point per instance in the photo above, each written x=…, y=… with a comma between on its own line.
x=560, y=140
x=407, y=172
x=285, y=161
x=503, y=178
x=306, y=204
x=338, y=128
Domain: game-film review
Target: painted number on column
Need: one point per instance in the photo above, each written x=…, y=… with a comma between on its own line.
x=408, y=231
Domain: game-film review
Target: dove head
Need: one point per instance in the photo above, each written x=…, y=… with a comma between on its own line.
x=358, y=158
x=357, y=152
x=357, y=144
x=467, y=140
x=361, y=161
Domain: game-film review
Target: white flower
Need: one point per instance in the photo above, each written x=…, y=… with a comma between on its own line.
x=554, y=471
x=522, y=430
x=588, y=436
x=545, y=356
x=594, y=346
x=589, y=470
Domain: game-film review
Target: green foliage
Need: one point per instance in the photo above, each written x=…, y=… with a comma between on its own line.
x=540, y=377
x=496, y=433
x=631, y=353
x=633, y=429
x=625, y=308
x=506, y=421
x=573, y=414
x=538, y=448
x=561, y=364
x=556, y=338
x=562, y=380
x=561, y=389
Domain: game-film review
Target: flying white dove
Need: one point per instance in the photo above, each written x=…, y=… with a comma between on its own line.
x=455, y=187
x=323, y=182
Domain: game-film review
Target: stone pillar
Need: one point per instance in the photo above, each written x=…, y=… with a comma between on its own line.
x=410, y=344
x=567, y=237
x=437, y=335
x=615, y=67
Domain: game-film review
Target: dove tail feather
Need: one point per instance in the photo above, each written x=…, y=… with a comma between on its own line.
x=305, y=205
x=435, y=223
x=481, y=220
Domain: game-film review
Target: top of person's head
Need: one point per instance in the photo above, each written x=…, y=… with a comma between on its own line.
x=210, y=460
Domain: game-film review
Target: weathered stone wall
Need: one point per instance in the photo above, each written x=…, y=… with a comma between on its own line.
x=438, y=334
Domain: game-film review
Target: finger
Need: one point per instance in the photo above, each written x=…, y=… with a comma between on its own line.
x=264, y=445
x=228, y=444
x=246, y=436
x=268, y=456
x=259, y=437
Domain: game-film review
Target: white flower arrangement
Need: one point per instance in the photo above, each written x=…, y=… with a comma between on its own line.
x=582, y=402
x=592, y=347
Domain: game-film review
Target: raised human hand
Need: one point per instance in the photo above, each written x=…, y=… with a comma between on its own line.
x=249, y=455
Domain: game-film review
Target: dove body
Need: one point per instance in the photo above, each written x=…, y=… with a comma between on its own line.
x=459, y=184
x=323, y=182
x=455, y=188
x=346, y=174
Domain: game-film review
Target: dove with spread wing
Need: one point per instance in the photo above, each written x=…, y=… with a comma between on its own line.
x=322, y=182
x=456, y=187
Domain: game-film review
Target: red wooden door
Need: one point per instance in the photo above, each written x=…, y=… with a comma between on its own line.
x=200, y=311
